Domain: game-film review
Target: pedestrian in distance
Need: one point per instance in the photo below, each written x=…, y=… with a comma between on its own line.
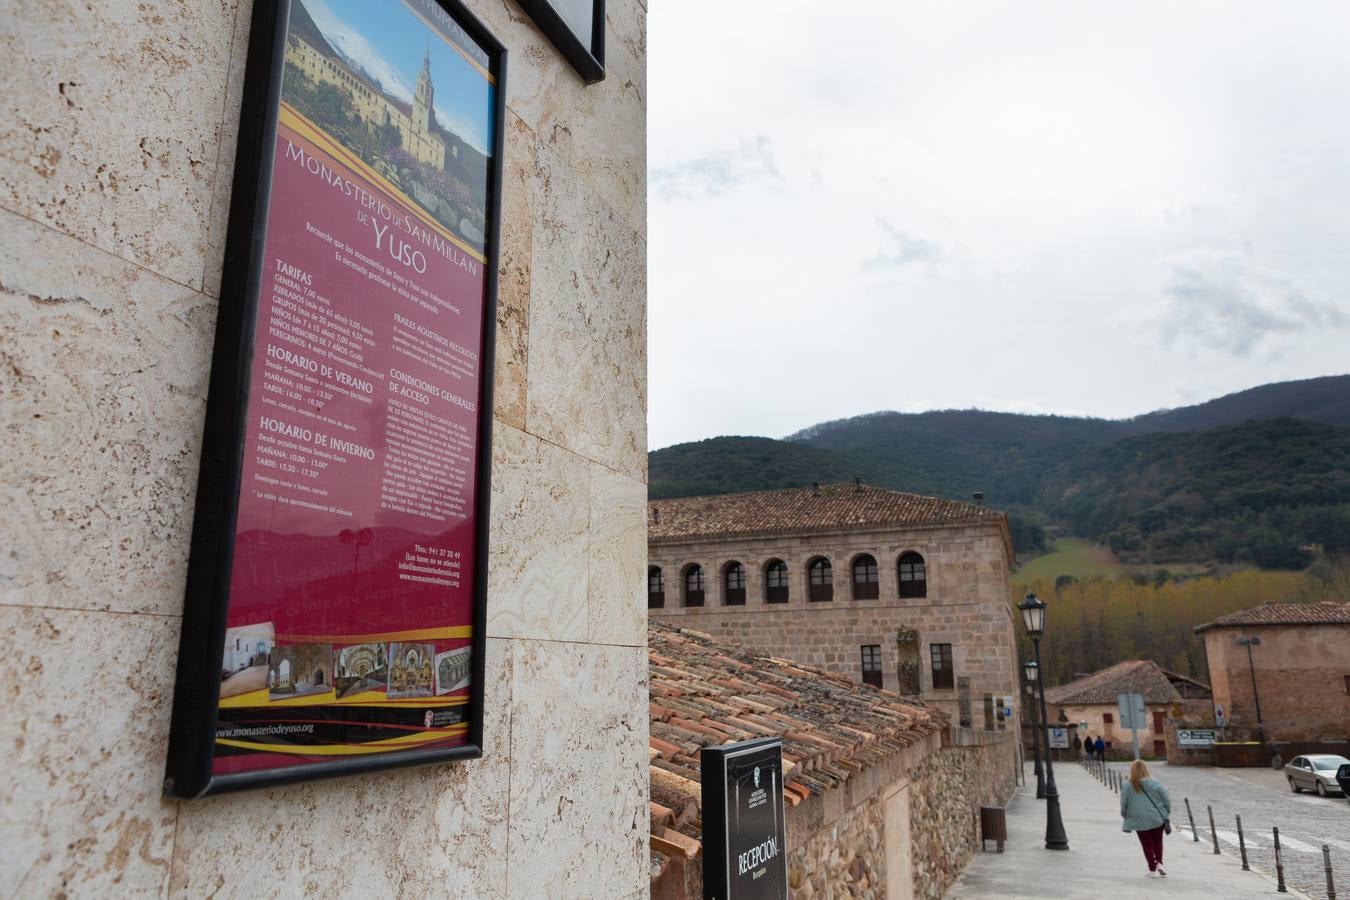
x=1146, y=810
x=1101, y=749
x=1077, y=745
x=1087, y=747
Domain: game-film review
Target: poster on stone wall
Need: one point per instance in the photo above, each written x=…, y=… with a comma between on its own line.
x=334, y=615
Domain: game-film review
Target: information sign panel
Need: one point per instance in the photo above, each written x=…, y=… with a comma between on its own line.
x=336, y=590
x=1196, y=738
x=1059, y=737
x=744, y=835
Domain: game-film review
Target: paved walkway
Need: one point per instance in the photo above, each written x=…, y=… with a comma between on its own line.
x=1102, y=860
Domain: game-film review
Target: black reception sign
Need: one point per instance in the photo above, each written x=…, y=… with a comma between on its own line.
x=744, y=837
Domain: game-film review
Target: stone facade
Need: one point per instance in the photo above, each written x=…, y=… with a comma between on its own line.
x=118, y=141
x=1302, y=678
x=906, y=829
x=968, y=603
x=1120, y=741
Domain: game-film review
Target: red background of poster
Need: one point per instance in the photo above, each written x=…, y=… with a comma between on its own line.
x=318, y=553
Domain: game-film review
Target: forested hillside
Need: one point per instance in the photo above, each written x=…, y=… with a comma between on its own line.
x=1204, y=485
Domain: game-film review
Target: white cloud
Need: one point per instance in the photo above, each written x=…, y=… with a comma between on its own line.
x=981, y=206
x=718, y=172
x=355, y=47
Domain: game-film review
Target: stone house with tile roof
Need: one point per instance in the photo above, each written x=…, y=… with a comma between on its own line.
x=881, y=792
x=1090, y=703
x=1298, y=659
x=906, y=592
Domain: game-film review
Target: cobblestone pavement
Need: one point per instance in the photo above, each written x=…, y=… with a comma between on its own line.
x=1263, y=799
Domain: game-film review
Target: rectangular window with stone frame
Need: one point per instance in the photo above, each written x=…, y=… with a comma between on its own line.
x=944, y=671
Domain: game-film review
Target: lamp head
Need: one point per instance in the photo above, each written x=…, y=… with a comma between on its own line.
x=1032, y=671
x=1033, y=615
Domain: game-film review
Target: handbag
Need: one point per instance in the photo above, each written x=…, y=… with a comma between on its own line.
x=1167, y=823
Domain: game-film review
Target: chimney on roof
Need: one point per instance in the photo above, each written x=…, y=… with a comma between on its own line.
x=857, y=484
x=815, y=489
x=656, y=514
x=979, y=498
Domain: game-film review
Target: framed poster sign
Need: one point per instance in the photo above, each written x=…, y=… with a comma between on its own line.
x=577, y=29
x=744, y=832
x=336, y=588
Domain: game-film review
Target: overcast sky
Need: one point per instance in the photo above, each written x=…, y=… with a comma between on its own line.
x=1081, y=208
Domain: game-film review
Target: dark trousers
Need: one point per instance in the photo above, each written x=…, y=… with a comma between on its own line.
x=1152, y=842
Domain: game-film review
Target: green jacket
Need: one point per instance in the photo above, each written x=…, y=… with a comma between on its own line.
x=1142, y=811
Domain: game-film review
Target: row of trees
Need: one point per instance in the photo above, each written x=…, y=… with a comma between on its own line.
x=1095, y=623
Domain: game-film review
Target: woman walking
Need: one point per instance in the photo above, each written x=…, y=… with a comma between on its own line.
x=1147, y=810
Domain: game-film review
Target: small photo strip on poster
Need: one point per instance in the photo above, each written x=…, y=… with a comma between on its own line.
x=452, y=670
x=410, y=670
x=299, y=670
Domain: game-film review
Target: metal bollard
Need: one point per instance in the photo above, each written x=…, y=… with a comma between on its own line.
x=1195, y=836
x=1279, y=864
x=1326, y=863
x=1212, y=833
x=1242, y=846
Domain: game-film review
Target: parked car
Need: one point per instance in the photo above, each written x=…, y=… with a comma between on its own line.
x=1316, y=772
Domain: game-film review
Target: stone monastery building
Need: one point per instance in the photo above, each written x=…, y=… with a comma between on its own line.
x=416, y=124
x=898, y=590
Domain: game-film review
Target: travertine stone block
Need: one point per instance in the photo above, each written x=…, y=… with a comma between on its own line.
x=85, y=714
x=116, y=112
x=618, y=600
x=222, y=183
x=575, y=833
x=102, y=393
x=436, y=831
x=537, y=586
x=513, y=283
x=587, y=386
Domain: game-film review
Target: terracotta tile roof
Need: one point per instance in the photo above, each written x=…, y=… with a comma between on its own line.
x=706, y=693
x=1328, y=612
x=1139, y=676
x=790, y=510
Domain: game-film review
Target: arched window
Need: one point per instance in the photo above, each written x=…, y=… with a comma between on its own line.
x=913, y=575
x=866, y=585
x=656, y=588
x=776, y=582
x=693, y=585
x=733, y=580
x=820, y=580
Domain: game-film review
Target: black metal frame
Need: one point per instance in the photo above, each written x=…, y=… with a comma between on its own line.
x=587, y=59
x=191, y=751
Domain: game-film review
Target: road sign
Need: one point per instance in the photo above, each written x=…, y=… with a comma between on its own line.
x=1133, y=714
x=1059, y=738
x=1196, y=738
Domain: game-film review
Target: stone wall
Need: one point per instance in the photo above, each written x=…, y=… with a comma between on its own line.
x=117, y=134
x=1286, y=662
x=837, y=842
x=967, y=604
x=949, y=789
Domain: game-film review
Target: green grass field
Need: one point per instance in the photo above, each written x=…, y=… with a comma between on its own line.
x=1071, y=556
x=1083, y=559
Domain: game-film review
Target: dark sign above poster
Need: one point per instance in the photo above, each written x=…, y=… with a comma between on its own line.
x=577, y=29
x=744, y=834
x=336, y=590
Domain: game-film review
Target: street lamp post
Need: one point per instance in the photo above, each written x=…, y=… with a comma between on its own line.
x=1250, y=642
x=1029, y=673
x=1033, y=617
